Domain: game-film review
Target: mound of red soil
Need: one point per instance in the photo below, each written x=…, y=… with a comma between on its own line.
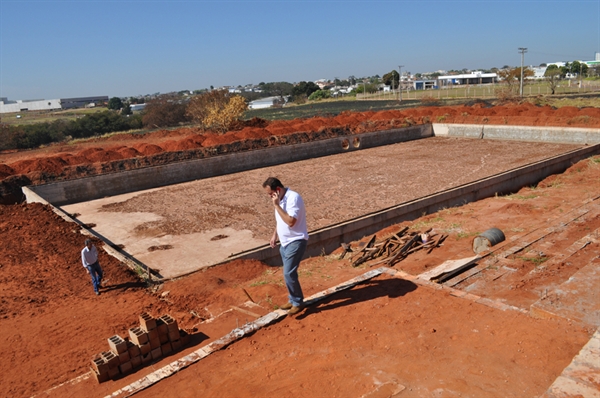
x=55, y=162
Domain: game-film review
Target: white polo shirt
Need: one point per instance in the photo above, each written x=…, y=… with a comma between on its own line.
x=89, y=256
x=293, y=205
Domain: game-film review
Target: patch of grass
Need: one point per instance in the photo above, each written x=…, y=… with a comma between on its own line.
x=267, y=278
x=305, y=273
x=582, y=119
x=555, y=184
x=522, y=197
x=143, y=275
x=462, y=235
x=535, y=260
x=595, y=159
x=269, y=300
x=425, y=223
x=33, y=117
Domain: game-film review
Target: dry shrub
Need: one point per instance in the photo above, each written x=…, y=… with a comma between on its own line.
x=582, y=119
x=164, y=111
x=506, y=94
x=216, y=110
x=429, y=100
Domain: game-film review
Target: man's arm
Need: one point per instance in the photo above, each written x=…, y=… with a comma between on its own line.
x=84, y=262
x=274, y=238
x=289, y=220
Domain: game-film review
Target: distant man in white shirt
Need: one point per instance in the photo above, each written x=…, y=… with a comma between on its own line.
x=290, y=215
x=89, y=258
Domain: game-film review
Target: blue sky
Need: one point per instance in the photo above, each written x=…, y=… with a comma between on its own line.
x=58, y=49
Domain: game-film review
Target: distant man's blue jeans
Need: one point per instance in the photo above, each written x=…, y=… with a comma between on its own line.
x=291, y=255
x=96, y=274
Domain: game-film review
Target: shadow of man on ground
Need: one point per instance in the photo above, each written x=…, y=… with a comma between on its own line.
x=124, y=286
x=365, y=291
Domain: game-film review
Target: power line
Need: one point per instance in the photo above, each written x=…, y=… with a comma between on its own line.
x=522, y=50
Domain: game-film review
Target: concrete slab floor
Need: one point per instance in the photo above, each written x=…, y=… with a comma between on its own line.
x=184, y=227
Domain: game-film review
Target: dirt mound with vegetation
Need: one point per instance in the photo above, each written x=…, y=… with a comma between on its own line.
x=129, y=151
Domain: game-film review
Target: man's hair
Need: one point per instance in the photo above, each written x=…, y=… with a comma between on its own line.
x=88, y=241
x=273, y=183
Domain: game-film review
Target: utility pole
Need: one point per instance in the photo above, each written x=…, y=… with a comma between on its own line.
x=522, y=50
x=400, y=82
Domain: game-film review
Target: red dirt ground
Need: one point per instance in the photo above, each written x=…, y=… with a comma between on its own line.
x=384, y=333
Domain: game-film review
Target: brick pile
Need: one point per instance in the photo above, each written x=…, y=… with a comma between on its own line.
x=153, y=339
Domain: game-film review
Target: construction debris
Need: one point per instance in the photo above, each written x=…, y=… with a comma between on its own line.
x=395, y=248
x=448, y=269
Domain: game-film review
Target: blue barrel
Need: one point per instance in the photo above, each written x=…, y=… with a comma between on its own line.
x=487, y=239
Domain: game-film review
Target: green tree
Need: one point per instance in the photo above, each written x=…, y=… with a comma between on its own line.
x=303, y=90
x=319, y=95
x=579, y=68
x=279, y=89
x=115, y=103
x=512, y=77
x=391, y=79
x=594, y=71
x=368, y=87
x=552, y=76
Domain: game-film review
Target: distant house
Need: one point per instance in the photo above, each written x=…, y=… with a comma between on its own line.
x=137, y=107
x=538, y=72
x=424, y=84
x=322, y=83
x=263, y=103
x=468, y=78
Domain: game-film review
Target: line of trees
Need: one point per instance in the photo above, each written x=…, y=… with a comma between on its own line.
x=35, y=135
x=214, y=110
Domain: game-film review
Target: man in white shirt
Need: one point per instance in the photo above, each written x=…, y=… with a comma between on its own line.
x=290, y=215
x=89, y=258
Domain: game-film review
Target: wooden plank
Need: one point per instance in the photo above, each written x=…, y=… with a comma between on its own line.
x=525, y=241
x=447, y=268
x=401, y=251
x=243, y=311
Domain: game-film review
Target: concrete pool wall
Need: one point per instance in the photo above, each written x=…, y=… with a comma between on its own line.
x=329, y=238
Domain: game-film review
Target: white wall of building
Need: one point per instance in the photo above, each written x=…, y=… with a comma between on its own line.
x=22, y=106
x=137, y=107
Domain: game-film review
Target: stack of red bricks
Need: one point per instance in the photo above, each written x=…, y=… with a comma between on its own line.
x=153, y=339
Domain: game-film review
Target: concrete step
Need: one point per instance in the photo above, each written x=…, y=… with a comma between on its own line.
x=577, y=299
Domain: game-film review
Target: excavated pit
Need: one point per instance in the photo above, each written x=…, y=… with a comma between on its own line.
x=210, y=220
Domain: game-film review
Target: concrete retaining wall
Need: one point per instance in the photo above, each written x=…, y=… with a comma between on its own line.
x=327, y=239
x=330, y=238
x=562, y=135
x=90, y=188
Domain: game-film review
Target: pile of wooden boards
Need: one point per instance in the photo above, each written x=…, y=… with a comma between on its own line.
x=393, y=249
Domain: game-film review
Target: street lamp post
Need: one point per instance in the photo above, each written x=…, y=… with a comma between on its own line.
x=522, y=50
x=400, y=82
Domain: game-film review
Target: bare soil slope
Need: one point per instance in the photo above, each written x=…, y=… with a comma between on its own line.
x=385, y=334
